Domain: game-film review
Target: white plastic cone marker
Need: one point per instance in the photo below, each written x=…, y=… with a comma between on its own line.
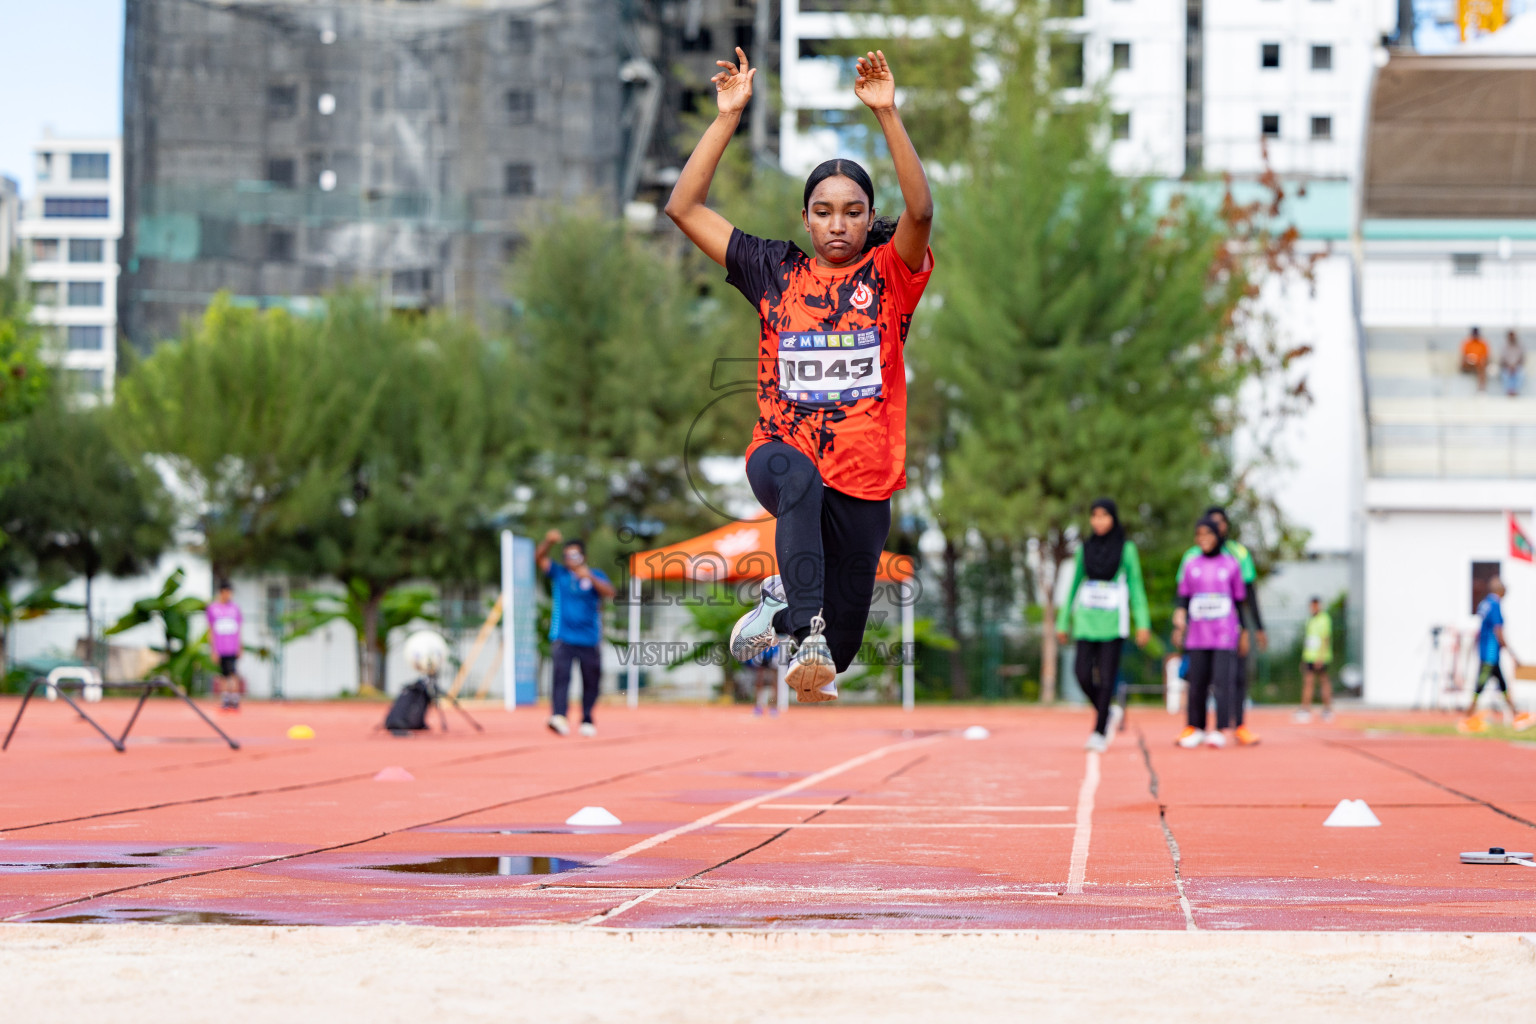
x=1353, y=814
x=593, y=816
x=394, y=773
x=977, y=732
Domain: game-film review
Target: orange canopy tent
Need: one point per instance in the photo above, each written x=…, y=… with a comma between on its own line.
x=736, y=551
x=744, y=550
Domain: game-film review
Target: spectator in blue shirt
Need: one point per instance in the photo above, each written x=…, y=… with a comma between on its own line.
x=1490, y=644
x=575, y=628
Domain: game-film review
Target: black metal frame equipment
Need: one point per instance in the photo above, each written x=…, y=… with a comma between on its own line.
x=119, y=743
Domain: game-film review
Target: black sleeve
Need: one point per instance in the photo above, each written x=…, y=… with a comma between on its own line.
x=1252, y=619
x=752, y=264
x=1183, y=601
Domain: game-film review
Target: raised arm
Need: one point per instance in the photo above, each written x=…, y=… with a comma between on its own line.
x=877, y=88
x=706, y=228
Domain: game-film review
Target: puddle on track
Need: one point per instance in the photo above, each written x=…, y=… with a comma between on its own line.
x=159, y=916
x=11, y=867
x=483, y=867
x=67, y=865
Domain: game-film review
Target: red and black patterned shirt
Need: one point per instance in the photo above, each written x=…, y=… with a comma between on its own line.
x=831, y=380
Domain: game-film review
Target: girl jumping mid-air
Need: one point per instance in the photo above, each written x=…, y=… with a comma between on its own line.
x=829, y=446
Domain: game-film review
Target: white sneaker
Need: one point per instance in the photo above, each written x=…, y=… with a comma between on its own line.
x=1328, y=716
x=811, y=671
x=1215, y=738
x=754, y=633
x=559, y=725
x=588, y=729
x=1116, y=716
x=1302, y=717
x=1192, y=739
x=1097, y=743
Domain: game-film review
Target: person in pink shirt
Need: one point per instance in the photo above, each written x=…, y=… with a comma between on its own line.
x=1206, y=624
x=224, y=622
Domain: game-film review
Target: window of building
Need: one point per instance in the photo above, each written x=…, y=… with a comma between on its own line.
x=87, y=250
x=1322, y=58
x=1482, y=574
x=44, y=166
x=279, y=245
x=282, y=101
x=88, y=166
x=59, y=206
x=511, y=245
x=85, y=293
x=411, y=282
x=702, y=41
x=88, y=382
x=84, y=337
x=1120, y=126
x=282, y=172
x=1322, y=127
x=45, y=293
x=1466, y=264
x=1269, y=55
x=520, y=35
x=1269, y=126
x=45, y=250
x=517, y=180
x=1120, y=56
x=519, y=106
x=1067, y=63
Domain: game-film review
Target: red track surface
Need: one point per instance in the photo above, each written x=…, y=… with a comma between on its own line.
x=857, y=818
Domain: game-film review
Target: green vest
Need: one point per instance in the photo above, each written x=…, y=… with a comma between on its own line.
x=1105, y=609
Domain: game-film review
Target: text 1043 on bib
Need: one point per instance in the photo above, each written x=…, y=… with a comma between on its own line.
x=829, y=366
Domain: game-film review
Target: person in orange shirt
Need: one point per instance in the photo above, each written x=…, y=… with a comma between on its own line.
x=1474, y=358
x=829, y=447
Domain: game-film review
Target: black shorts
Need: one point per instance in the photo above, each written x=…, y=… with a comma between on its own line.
x=227, y=664
x=1316, y=666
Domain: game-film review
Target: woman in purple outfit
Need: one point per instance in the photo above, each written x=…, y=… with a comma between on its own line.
x=1206, y=625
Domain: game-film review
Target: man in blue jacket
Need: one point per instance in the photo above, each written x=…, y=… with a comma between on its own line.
x=575, y=628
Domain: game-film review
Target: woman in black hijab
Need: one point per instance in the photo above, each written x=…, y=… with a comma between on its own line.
x=1107, y=596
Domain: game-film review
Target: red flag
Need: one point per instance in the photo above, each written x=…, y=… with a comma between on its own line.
x=1519, y=544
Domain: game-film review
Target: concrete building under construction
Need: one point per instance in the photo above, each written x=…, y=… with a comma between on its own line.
x=277, y=149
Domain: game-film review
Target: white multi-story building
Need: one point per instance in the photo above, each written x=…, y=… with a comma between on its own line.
x=10, y=202
x=1193, y=85
x=69, y=231
x=1289, y=76
x=1446, y=241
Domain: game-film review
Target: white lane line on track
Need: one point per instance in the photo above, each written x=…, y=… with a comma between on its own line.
x=1084, y=835
x=988, y=808
x=746, y=805
x=605, y=915
x=973, y=825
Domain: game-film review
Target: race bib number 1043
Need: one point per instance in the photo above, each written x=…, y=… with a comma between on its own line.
x=823, y=367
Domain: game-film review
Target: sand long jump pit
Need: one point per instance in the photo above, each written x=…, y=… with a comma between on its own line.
x=832, y=864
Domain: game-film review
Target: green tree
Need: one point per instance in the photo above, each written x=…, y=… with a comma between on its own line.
x=397, y=608
x=1087, y=342
x=370, y=448
x=80, y=507
x=186, y=658
x=622, y=360
x=23, y=377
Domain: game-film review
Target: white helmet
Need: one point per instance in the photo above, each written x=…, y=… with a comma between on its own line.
x=426, y=652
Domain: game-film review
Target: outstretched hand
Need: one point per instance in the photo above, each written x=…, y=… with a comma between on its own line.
x=733, y=85
x=875, y=85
